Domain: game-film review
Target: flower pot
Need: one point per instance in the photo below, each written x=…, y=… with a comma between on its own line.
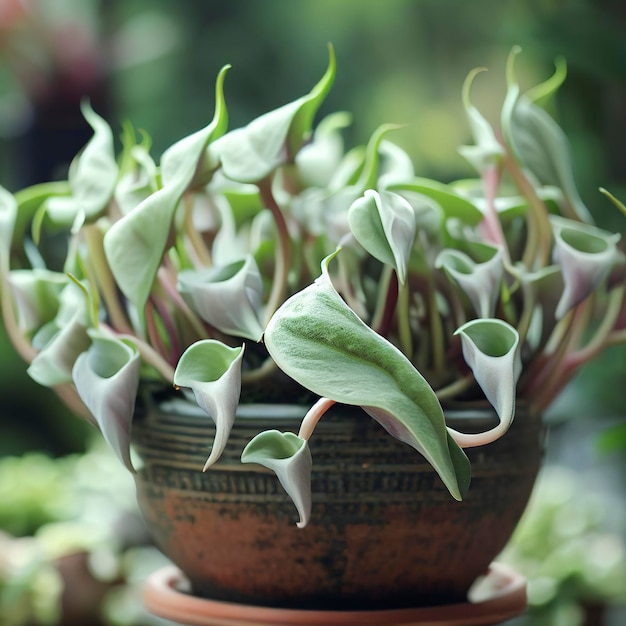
x=384, y=533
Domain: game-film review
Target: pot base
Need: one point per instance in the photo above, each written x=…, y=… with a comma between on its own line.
x=499, y=596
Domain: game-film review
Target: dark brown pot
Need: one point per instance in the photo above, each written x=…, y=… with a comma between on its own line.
x=384, y=530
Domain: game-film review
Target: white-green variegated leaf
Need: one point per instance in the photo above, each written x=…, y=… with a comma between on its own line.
x=481, y=282
x=227, y=297
x=136, y=185
x=106, y=377
x=212, y=371
x=540, y=144
x=289, y=457
x=136, y=243
x=251, y=153
x=323, y=345
x=486, y=149
x=318, y=160
x=491, y=349
x=395, y=165
x=384, y=224
x=36, y=296
x=586, y=255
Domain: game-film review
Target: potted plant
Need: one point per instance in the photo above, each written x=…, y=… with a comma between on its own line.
x=267, y=267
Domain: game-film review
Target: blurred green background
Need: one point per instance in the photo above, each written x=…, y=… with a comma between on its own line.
x=154, y=62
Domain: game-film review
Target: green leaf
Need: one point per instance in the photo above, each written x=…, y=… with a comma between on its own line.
x=371, y=165
x=106, y=377
x=452, y=204
x=323, y=345
x=250, y=154
x=480, y=281
x=135, y=244
x=586, y=255
x=227, y=297
x=289, y=457
x=491, y=349
x=36, y=295
x=61, y=340
x=540, y=145
x=487, y=149
x=384, y=224
x=212, y=371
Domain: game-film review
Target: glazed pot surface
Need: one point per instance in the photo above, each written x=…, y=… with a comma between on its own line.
x=384, y=531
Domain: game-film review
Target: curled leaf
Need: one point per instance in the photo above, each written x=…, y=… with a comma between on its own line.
x=586, y=255
x=228, y=297
x=323, y=345
x=491, y=349
x=212, y=371
x=250, y=153
x=289, y=457
x=384, y=224
x=106, y=377
x=480, y=281
x=135, y=244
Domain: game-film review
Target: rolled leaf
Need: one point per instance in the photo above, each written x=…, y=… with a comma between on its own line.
x=228, y=297
x=249, y=154
x=135, y=244
x=480, y=281
x=289, y=457
x=36, y=295
x=92, y=176
x=487, y=150
x=212, y=371
x=540, y=144
x=106, y=377
x=323, y=345
x=586, y=255
x=491, y=349
x=384, y=224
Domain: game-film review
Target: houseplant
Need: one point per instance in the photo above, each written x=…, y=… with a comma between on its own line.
x=203, y=273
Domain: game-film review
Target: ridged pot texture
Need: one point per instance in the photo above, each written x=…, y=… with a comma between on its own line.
x=384, y=532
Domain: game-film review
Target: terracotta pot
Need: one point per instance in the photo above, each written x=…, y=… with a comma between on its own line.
x=384, y=533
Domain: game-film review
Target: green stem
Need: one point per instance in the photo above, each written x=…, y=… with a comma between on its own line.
x=265, y=369
x=402, y=317
x=539, y=240
x=199, y=248
x=283, y=250
x=436, y=330
x=386, y=303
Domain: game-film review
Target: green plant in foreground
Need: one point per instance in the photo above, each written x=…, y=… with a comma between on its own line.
x=202, y=272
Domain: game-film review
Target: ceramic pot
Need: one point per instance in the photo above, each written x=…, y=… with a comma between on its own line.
x=384, y=533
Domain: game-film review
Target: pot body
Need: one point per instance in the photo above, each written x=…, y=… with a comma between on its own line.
x=384, y=530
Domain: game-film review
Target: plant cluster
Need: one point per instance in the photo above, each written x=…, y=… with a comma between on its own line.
x=203, y=272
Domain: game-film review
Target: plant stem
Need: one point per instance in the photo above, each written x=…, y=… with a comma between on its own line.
x=386, y=303
x=436, y=329
x=402, y=317
x=265, y=369
x=539, y=231
x=491, y=227
x=453, y=389
x=313, y=416
x=283, y=250
x=202, y=253
x=151, y=357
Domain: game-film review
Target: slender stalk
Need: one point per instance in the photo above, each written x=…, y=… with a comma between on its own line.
x=386, y=303
x=402, y=317
x=103, y=279
x=283, y=250
x=202, y=253
x=455, y=388
x=265, y=369
x=313, y=416
x=539, y=232
x=491, y=227
x=153, y=331
x=436, y=330
x=151, y=357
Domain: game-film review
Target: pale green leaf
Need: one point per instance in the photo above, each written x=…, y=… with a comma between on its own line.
x=481, y=282
x=323, y=345
x=106, y=377
x=452, y=203
x=228, y=297
x=586, y=255
x=136, y=243
x=289, y=457
x=212, y=371
x=8, y=218
x=491, y=349
x=384, y=224
x=251, y=153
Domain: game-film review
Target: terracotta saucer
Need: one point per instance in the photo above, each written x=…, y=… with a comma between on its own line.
x=499, y=596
